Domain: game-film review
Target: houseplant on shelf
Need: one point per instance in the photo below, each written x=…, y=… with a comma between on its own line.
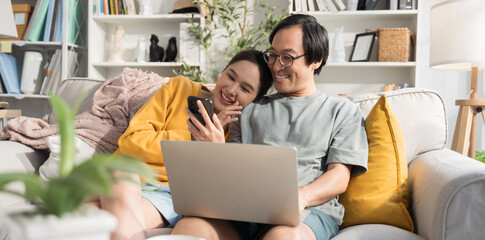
x=231, y=22
x=58, y=211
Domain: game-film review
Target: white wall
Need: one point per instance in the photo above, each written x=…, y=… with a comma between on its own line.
x=450, y=85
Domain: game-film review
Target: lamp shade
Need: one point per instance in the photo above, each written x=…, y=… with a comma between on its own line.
x=457, y=40
x=7, y=22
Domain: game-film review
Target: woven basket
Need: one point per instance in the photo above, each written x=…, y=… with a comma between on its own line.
x=394, y=44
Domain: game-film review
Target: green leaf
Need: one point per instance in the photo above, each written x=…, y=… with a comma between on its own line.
x=63, y=196
x=120, y=163
x=35, y=187
x=65, y=119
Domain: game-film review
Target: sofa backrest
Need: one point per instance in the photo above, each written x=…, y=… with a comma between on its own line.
x=421, y=113
x=72, y=88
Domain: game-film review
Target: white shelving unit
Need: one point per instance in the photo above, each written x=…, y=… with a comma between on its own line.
x=362, y=77
x=36, y=105
x=162, y=23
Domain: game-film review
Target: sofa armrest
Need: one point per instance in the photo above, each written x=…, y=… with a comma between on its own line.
x=447, y=193
x=17, y=157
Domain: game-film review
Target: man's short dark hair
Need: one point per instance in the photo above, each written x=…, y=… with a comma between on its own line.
x=315, y=38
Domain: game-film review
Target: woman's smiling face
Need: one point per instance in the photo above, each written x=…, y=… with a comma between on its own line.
x=238, y=83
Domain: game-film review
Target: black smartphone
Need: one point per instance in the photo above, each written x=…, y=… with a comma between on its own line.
x=192, y=103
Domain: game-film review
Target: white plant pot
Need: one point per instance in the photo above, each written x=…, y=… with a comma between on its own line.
x=84, y=224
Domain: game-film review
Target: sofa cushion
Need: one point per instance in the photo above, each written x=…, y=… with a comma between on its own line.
x=421, y=113
x=375, y=232
x=381, y=194
x=71, y=89
x=17, y=157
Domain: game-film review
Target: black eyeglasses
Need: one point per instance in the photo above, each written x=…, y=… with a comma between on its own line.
x=286, y=59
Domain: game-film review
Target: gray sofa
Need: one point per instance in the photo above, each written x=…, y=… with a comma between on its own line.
x=447, y=189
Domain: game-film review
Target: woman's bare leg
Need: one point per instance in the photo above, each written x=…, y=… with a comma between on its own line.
x=134, y=213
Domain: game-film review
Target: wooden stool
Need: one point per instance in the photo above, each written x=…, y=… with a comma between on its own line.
x=464, y=138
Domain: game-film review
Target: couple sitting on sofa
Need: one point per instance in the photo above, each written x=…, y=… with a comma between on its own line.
x=328, y=133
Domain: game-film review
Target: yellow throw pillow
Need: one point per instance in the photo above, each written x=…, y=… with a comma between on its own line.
x=381, y=194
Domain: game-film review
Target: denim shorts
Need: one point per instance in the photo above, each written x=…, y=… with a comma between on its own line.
x=322, y=225
x=159, y=195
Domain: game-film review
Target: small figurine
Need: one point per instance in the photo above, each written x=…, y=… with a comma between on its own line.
x=171, y=50
x=141, y=50
x=156, y=52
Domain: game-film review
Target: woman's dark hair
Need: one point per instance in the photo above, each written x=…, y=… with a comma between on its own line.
x=256, y=57
x=315, y=38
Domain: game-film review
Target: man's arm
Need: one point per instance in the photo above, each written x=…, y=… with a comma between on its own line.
x=332, y=183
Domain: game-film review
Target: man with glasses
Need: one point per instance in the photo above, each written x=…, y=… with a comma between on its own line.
x=328, y=133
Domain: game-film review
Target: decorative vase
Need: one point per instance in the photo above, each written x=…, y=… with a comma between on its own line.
x=84, y=224
x=352, y=5
x=338, y=48
x=30, y=74
x=146, y=7
x=117, y=46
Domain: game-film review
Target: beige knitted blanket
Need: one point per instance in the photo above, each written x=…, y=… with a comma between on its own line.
x=114, y=104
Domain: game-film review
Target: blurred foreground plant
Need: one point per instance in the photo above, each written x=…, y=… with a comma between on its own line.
x=67, y=192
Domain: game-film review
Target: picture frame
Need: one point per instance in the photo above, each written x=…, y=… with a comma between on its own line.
x=362, y=47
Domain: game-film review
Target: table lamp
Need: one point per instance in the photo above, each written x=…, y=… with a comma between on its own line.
x=457, y=42
x=7, y=26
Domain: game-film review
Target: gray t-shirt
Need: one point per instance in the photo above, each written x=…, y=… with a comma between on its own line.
x=323, y=130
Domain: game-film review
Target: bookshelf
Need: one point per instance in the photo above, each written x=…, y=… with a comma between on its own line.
x=37, y=105
x=353, y=78
x=161, y=23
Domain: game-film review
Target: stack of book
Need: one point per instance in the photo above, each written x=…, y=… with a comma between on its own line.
x=46, y=21
x=52, y=78
x=48, y=83
x=114, y=7
x=318, y=5
x=341, y=5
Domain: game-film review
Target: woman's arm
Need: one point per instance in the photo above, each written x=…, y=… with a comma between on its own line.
x=162, y=117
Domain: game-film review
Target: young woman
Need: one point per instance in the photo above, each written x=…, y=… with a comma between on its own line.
x=164, y=116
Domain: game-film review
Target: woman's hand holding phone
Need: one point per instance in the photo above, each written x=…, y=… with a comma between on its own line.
x=211, y=132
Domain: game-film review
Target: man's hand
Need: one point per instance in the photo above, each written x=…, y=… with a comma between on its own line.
x=302, y=199
x=211, y=132
x=330, y=184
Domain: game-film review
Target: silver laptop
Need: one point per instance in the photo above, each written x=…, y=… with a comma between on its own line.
x=244, y=182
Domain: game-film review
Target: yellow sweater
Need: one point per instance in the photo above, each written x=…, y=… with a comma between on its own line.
x=162, y=117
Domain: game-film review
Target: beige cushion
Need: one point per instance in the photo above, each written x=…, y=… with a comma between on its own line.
x=72, y=88
x=375, y=232
x=421, y=114
x=17, y=157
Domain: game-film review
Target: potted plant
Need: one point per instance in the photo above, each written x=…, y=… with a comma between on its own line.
x=58, y=211
x=231, y=22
